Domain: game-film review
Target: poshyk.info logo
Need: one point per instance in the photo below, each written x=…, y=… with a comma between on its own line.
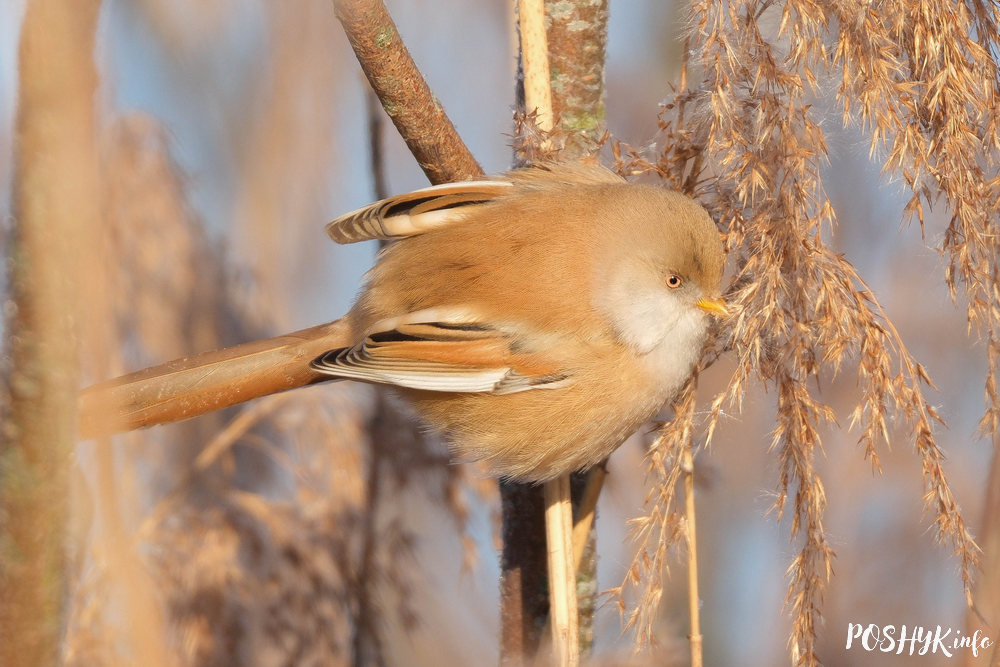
x=915, y=640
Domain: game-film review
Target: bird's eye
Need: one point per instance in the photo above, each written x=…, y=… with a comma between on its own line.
x=674, y=281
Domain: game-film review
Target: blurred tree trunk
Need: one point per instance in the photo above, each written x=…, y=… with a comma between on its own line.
x=55, y=201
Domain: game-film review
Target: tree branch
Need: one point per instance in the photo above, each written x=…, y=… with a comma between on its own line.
x=214, y=380
x=416, y=113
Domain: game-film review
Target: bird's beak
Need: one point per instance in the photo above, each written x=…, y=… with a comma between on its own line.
x=715, y=306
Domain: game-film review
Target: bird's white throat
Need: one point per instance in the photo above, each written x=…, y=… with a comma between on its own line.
x=666, y=329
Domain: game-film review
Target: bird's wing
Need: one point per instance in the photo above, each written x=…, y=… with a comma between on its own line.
x=415, y=212
x=435, y=350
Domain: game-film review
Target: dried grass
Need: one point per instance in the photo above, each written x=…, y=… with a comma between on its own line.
x=745, y=137
x=268, y=536
x=276, y=547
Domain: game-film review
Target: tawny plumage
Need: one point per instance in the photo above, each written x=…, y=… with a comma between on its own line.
x=537, y=321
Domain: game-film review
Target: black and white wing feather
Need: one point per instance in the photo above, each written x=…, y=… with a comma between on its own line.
x=415, y=212
x=449, y=356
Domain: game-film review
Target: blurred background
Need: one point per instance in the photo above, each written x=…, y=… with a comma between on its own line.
x=230, y=131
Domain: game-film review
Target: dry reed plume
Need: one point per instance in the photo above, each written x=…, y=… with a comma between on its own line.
x=271, y=534
x=276, y=532
x=744, y=136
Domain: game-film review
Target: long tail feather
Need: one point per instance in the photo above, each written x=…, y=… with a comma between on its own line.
x=205, y=382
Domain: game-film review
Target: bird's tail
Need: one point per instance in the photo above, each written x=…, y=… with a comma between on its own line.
x=210, y=381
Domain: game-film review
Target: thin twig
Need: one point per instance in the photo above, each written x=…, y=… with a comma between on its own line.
x=380, y=189
x=562, y=574
x=535, y=61
x=692, y=556
x=586, y=511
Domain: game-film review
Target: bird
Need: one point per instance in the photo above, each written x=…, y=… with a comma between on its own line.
x=536, y=320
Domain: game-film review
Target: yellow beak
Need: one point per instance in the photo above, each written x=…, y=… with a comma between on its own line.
x=715, y=306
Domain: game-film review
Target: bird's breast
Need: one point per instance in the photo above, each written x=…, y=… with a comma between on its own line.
x=673, y=356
